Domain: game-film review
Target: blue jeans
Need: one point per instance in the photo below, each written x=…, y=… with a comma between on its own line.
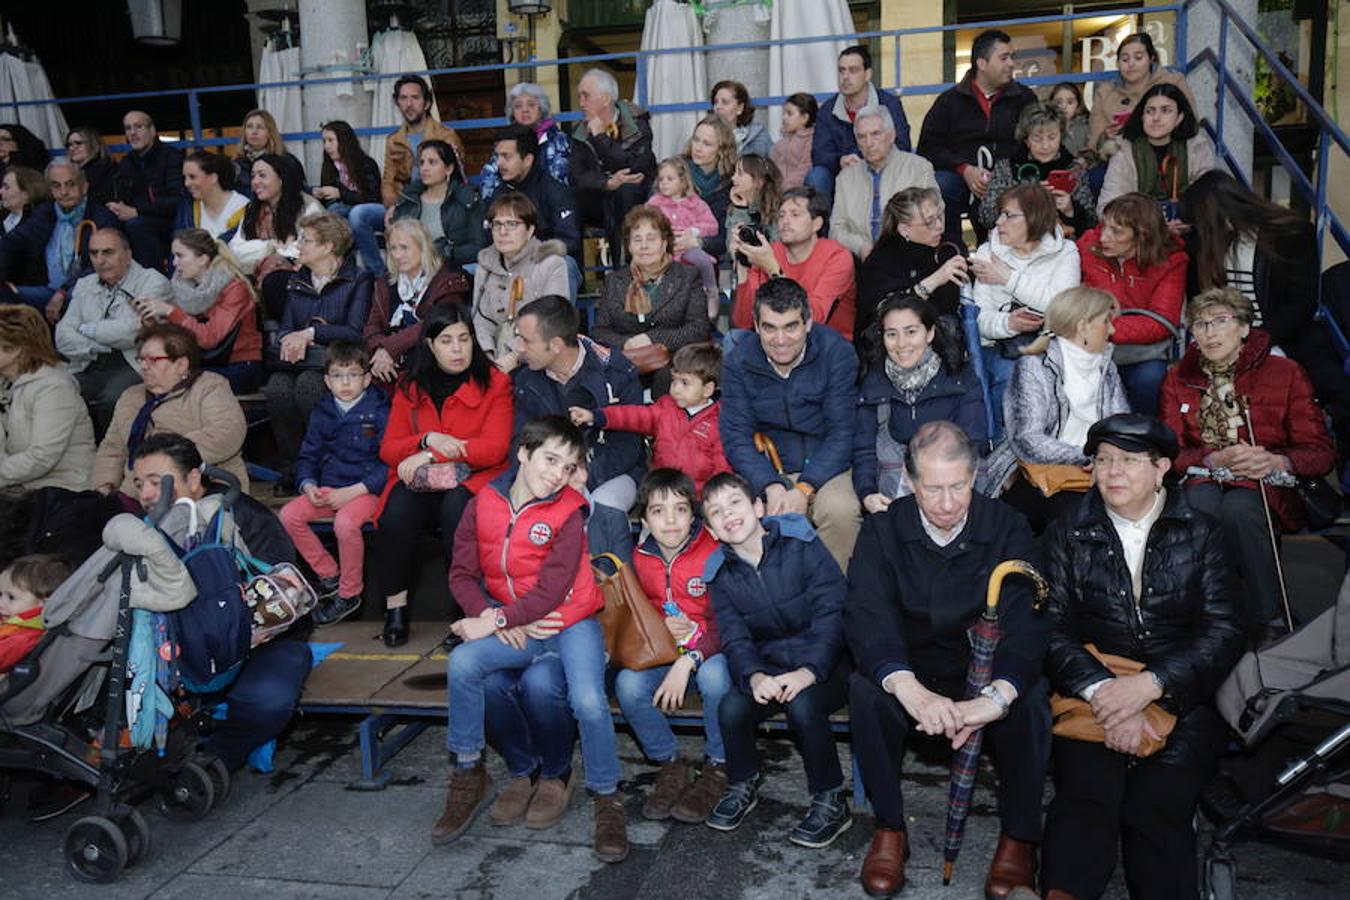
x=955, y=199
x=635, y=690
x=822, y=179
x=581, y=649
x=999, y=369
x=1143, y=384
x=574, y=277
x=367, y=220
x=261, y=700
x=528, y=722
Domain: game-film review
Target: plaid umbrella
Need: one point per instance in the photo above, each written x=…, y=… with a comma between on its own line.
x=984, y=638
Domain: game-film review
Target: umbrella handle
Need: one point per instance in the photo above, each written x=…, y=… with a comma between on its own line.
x=1002, y=571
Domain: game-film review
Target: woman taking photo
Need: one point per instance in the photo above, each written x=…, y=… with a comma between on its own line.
x=84, y=147
x=756, y=191
x=347, y=179
x=1138, y=68
x=175, y=396
x=655, y=301
x=46, y=437
x=417, y=283
x=1043, y=158
x=268, y=240
x=1134, y=257
x=452, y=413
x=918, y=374
x=212, y=202
x=445, y=203
x=515, y=271
x=913, y=258
x=1162, y=152
x=327, y=300
x=1054, y=398
x=731, y=103
x=711, y=154
x=1137, y=574
x=1247, y=418
x=259, y=137
x=214, y=302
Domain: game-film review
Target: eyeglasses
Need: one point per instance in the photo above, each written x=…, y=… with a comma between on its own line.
x=1005, y=214
x=1127, y=463
x=1201, y=326
x=506, y=224
x=144, y=360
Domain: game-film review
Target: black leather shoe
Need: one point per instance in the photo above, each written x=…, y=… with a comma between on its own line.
x=395, y=627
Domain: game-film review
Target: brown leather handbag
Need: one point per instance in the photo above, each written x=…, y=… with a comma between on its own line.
x=1073, y=717
x=636, y=636
x=1051, y=478
x=648, y=359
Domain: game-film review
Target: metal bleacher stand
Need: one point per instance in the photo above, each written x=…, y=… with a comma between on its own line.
x=397, y=694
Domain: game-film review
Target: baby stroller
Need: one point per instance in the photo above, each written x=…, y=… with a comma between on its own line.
x=1290, y=703
x=64, y=709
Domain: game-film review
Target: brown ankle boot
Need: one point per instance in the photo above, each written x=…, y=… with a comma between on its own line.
x=670, y=784
x=883, y=871
x=467, y=794
x=1014, y=866
x=611, y=828
x=696, y=803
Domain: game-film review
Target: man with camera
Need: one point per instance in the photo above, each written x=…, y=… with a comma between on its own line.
x=822, y=266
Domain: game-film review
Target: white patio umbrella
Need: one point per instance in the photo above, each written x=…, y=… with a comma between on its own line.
x=24, y=79
x=393, y=51
x=673, y=77
x=805, y=67
x=281, y=62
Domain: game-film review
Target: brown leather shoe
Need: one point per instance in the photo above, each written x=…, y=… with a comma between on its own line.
x=883, y=871
x=466, y=796
x=512, y=801
x=1014, y=866
x=551, y=798
x=670, y=784
x=697, y=803
x=611, y=828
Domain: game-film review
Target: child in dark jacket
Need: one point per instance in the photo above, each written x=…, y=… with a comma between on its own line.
x=684, y=422
x=670, y=565
x=24, y=589
x=340, y=476
x=778, y=597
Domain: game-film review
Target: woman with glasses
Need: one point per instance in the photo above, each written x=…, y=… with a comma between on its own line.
x=1043, y=159
x=175, y=396
x=516, y=270
x=1248, y=425
x=1137, y=574
x=1059, y=388
x=84, y=147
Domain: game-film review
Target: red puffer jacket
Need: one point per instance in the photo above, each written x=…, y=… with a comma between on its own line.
x=682, y=581
x=1285, y=416
x=692, y=444
x=1160, y=288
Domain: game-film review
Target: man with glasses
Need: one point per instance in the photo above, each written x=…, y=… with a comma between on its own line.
x=916, y=585
x=50, y=240
x=861, y=191
x=147, y=189
x=97, y=335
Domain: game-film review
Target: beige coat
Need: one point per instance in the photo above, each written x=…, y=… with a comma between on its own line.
x=207, y=414
x=1110, y=97
x=46, y=438
x=542, y=264
x=1122, y=177
x=850, y=224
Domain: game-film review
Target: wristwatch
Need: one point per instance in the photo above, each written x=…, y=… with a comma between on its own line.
x=921, y=292
x=996, y=695
x=499, y=620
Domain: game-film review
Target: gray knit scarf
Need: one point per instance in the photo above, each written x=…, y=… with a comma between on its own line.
x=196, y=297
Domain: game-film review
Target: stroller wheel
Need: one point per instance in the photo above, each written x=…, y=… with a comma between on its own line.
x=189, y=794
x=96, y=850
x=136, y=830
x=220, y=778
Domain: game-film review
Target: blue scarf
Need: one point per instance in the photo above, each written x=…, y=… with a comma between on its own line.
x=704, y=182
x=61, y=247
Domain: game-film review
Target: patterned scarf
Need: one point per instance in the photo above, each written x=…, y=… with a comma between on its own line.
x=909, y=383
x=410, y=292
x=61, y=247
x=637, y=300
x=1220, y=414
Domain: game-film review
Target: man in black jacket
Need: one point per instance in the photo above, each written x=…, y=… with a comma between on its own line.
x=916, y=584
x=147, y=189
x=972, y=125
x=517, y=151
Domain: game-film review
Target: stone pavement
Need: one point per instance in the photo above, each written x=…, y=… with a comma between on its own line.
x=301, y=832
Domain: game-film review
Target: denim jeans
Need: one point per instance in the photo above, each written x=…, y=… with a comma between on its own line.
x=581, y=649
x=635, y=690
x=261, y=700
x=956, y=201
x=808, y=717
x=999, y=370
x=367, y=220
x=528, y=722
x=1143, y=384
x=574, y=277
x=822, y=179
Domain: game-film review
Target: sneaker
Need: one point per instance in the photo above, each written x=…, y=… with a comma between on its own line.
x=696, y=803
x=551, y=798
x=326, y=588
x=467, y=793
x=611, y=828
x=736, y=803
x=512, y=801
x=827, y=818
x=334, y=609
x=670, y=784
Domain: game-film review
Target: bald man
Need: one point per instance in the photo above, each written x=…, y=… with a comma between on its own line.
x=147, y=189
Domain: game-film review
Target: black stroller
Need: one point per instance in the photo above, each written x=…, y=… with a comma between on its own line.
x=63, y=710
x=1290, y=703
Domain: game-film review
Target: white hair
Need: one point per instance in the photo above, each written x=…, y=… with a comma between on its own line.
x=532, y=90
x=63, y=162
x=604, y=82
x=875, y=110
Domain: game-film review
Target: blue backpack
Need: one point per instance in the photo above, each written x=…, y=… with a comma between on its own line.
x=214, y=632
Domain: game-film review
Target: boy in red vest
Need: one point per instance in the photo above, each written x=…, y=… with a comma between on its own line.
x=521, y=573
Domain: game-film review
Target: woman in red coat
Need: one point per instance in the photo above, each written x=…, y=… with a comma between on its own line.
x=1226, y=375
x=1132, y=256
x=448, y=435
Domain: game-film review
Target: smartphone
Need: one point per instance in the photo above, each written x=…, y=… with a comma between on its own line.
x=1122, y=116
x=1062, y=180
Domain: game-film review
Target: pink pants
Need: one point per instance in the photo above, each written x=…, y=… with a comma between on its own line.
x=296, y=516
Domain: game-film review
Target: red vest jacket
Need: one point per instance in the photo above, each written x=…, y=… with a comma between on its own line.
x=682, y=582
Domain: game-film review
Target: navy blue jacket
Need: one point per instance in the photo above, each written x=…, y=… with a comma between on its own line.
x=606, y=378
x=787, y=613
x=152, y=182
x=955, y=398
x=341, y=449
x=338, y=313
x=25, y=248
x=834, y=138
x=809, y=415
x=557, y=209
